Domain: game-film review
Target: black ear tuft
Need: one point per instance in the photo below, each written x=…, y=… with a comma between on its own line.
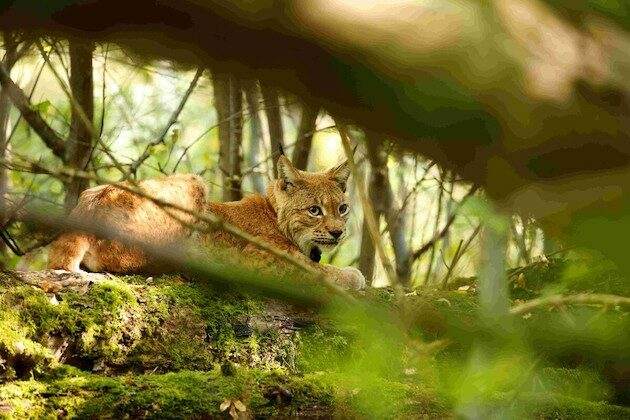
x=287, y=172
x=340, y=174
x=280, y=149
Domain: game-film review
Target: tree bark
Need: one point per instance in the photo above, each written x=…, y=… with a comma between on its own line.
x=383, y=197
x=10, y=47
x=367, y=257
x=79, y=144
x=229, y=104
x=255, y=135
x=274, y=122
x=377, y=191
x=304, y=139
x=398, y=233
x=31, y=115
x=236, y=139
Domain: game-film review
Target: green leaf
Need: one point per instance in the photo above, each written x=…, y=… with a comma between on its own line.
x=41, y=107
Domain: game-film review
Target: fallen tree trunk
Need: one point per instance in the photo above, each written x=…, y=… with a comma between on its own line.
x=102, y=322
x=98, y=345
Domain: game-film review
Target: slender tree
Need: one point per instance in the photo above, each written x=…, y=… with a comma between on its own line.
x=274, y=122
x=229, y=104
x=377, y=191
x=10, y=47
x=79, y=145
x=306, y=129
x=255, y=135
x=385, y=204
x=398, y=226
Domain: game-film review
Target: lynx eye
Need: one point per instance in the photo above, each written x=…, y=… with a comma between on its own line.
x=314, y=211
x=343, y=209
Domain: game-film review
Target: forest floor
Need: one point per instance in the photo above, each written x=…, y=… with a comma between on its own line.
x=169, y=347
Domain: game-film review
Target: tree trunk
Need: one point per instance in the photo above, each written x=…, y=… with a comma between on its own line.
x=438, y=217
x=449, y=186
x=397, y=218
x=229, y=104
x=255, y=135
x=236, y=139
x=274, y=122
x=304, y=139
x=10, y=47
x=377, y=191
x=368, y=254
x=520, y=240
x=79, y=144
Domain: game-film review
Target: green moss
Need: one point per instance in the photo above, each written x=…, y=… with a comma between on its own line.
x=183, y=394
x=386, y=398
x=182, y=332
x=165, y=325
x=576, y=383
x=321, y=349
x=551, y=406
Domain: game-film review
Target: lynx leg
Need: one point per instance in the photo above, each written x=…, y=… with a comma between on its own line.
x=67, y=252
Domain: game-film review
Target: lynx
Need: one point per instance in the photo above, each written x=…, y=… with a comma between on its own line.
x=303, y=213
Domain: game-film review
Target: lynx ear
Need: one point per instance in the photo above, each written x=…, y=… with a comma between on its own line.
x=340, y=174
x=287, y=172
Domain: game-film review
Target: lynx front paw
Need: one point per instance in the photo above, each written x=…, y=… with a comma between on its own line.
x=351, y=278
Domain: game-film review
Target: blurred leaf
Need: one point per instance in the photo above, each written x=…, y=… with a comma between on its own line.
x=41, y=107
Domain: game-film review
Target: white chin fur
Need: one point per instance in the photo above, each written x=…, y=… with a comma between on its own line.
x=326, y=247
x=306, y=244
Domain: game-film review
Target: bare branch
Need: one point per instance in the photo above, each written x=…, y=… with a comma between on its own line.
x=76, y=107
x=274, y=122
x=302, y=149
x=459, y=253
x=424, y=248
x=557, y=300
x=31, y=115
x=174, y=116
x=367, y=207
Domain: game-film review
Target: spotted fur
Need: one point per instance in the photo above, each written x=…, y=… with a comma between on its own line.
x=284, y=218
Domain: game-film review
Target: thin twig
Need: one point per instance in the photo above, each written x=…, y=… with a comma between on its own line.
x=55, y=143
x=582, y=298
x=405, y=200
x=103, y=93
x=76, y=107
x=367, y=207
x=29, y=97
x=459, y=254
x=174, y=116
x=424, y=248
x=438, y=216
x=452, y=265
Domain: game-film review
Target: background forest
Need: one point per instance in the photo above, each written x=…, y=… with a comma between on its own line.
x=160, y=118
x=488, y=209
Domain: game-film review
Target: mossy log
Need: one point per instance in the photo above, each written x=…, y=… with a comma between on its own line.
x=98, y=345
x=105, y=323
x=89, y=332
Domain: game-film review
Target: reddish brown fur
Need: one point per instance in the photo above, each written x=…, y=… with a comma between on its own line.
x=131, y=214
x=280, y=219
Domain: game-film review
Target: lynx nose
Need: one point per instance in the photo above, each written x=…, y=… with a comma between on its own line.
x=336, y=233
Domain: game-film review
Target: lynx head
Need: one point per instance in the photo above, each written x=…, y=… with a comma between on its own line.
x=312, y=207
